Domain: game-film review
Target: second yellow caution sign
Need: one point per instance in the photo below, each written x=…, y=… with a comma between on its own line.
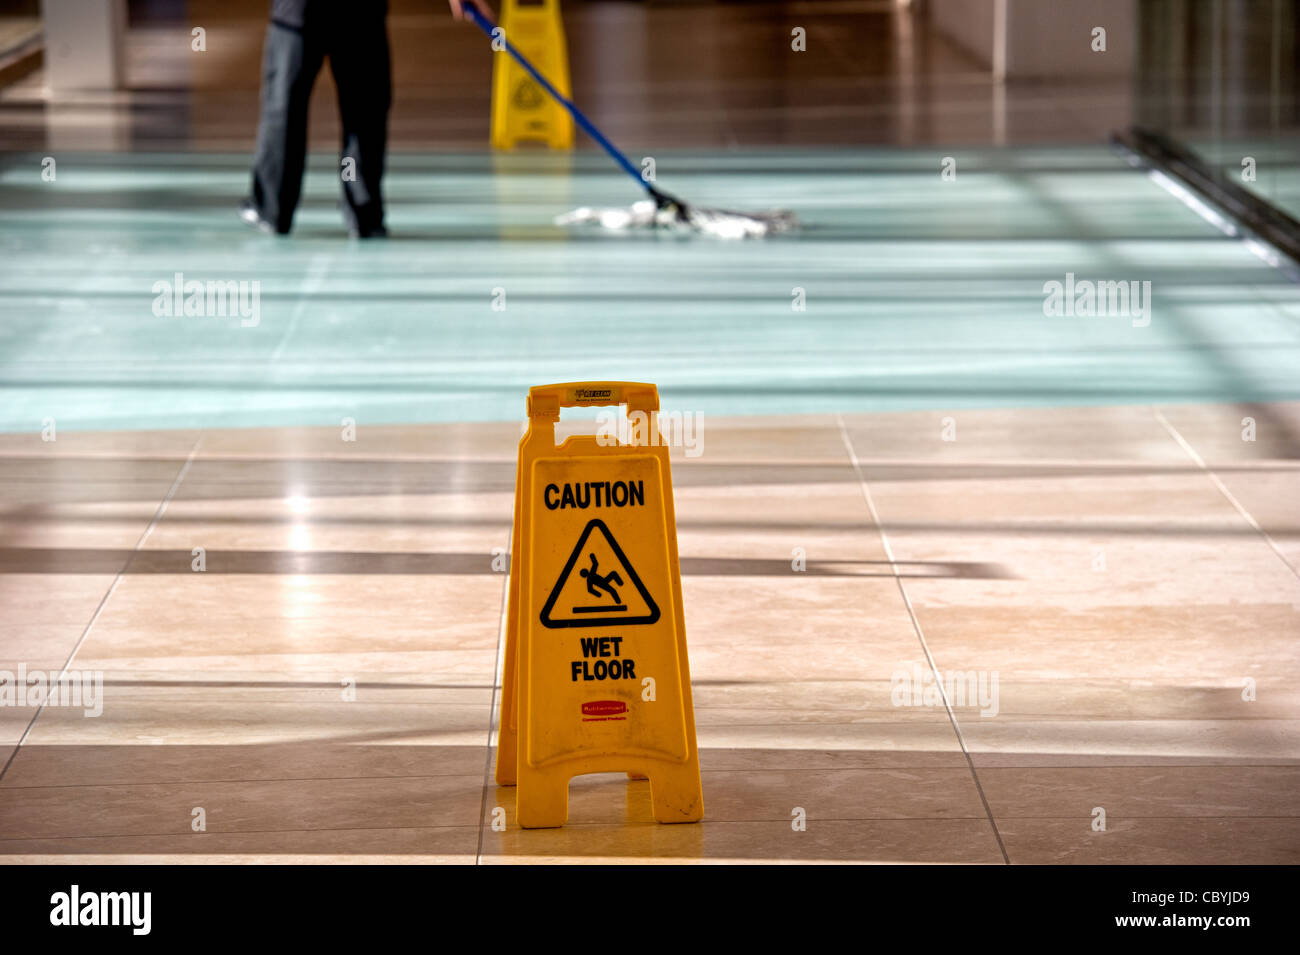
x=596, y=675
x=521, y=110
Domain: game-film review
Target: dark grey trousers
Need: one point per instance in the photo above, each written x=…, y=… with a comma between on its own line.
x=357, y=47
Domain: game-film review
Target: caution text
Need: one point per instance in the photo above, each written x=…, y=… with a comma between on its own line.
x=594, y=494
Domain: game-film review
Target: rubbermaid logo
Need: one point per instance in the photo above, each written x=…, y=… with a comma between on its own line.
x=591, y=394
x=603, y=708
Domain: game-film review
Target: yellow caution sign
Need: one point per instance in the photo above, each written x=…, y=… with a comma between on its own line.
x=596, y=677
x=521, y=110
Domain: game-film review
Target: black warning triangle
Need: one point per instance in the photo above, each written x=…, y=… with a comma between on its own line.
x=604, y=591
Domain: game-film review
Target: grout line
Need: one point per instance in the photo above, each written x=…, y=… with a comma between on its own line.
x=613, y=826
x=317, y=270
x=920, y=635
x=1223, y=489
x=242, y=780
x=238, y=832
x=103, y=601
x=902, y=767
x=497, y=673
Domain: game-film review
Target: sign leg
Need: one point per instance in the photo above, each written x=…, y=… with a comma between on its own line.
x=675, y=795
x=542, y=800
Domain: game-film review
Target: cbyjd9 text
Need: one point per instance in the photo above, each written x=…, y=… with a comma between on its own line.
x=1185, y=897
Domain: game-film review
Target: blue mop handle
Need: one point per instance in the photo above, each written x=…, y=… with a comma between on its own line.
x=472, y=11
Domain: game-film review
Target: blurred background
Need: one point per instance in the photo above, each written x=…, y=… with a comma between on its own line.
x=697, y=73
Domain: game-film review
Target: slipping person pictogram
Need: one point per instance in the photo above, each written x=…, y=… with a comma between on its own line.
x=598, y=582
x=571, y=602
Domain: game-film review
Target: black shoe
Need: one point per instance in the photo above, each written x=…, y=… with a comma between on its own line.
x=250, y=214
x=375, y=232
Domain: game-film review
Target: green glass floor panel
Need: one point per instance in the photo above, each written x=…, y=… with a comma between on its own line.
x=920, y=292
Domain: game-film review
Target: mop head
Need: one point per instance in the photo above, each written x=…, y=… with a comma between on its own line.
x=682, y=218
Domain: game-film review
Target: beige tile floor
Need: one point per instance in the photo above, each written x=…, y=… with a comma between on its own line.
x=1117, y=574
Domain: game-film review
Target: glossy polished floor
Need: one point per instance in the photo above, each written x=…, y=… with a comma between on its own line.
x=1115, y=576
x=478, y=295
x=1093, y=519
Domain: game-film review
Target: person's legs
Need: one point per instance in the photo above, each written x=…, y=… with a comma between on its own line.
x=360, y=63
x=291, y=59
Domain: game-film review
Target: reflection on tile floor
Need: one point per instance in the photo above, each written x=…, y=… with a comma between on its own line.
x=1111, y=595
